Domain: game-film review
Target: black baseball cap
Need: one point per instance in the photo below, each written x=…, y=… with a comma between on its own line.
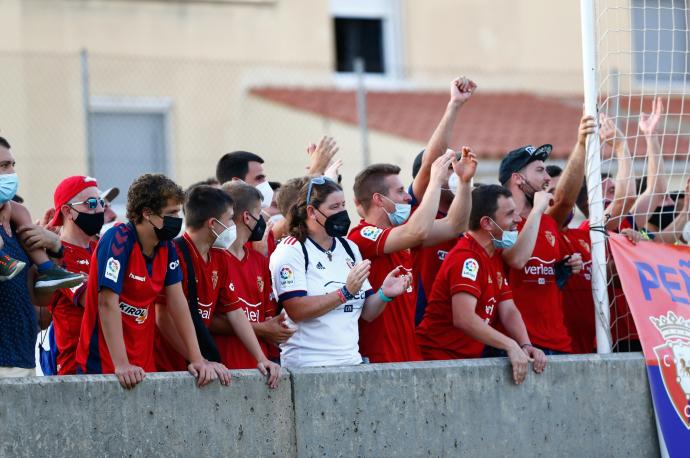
x=519, y=158
x=417, y=164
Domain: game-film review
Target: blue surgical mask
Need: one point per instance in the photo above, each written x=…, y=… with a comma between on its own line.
x=401, y=213
x=508, y=238
x=8, y=187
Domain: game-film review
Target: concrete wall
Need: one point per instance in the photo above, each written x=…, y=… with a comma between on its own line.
x=165, y=416
x=586, y=405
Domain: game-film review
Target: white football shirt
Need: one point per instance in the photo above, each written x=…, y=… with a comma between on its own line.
x=333, y=338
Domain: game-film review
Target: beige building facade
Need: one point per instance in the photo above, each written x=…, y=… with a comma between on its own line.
x=84, y=80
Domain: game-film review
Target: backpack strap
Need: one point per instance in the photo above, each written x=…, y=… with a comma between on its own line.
x=306, y=255
x=207, y=346
x=348, y=248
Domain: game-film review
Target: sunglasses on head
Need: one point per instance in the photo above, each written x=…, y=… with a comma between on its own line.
x=92, y=203
x=318, y=181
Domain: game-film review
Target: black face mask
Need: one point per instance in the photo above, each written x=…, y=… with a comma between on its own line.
x=171, y=227
x=90, y=223
x=337, y=224
x=663, y=216
x=259, y=228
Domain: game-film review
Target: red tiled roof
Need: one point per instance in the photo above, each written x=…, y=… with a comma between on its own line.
x=491, y=123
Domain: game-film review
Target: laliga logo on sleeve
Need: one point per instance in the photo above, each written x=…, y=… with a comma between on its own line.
x=674, y=361
x=371, y=232
x=112, y=269
x=470, y=269
x=286, y=276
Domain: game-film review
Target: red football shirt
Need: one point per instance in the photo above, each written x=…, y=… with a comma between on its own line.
x=120, y=265
x=65, y=308
x=535, y=291
x=250, y=279
x=427, y=262
x=578, y=302
x=622, y=324
x=214, y=295
x=467, y=269
x=391, y=336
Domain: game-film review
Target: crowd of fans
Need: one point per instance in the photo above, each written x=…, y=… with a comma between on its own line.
x=266, y=275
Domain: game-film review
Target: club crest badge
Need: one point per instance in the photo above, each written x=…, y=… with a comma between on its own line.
x=260, y=283
x=550, y=238
x=214, y=278
x=674, y=361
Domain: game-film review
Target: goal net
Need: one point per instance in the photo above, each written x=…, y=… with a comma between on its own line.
x=640, y=72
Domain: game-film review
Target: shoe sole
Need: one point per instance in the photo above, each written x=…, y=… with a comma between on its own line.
x=45, y=285
x=20, y=267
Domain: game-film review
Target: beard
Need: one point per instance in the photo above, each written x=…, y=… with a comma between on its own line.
x=528, y=190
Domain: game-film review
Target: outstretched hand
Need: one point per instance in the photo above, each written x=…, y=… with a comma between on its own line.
x=320, y=155
x=466, y=166
x=649, y=122
x=441, y=169
x=396, y=282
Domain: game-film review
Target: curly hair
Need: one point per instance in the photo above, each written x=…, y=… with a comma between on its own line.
x=298, y=212
x=151, y=191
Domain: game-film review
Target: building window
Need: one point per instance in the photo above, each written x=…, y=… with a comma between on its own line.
x=660, y=41
x=357, y=37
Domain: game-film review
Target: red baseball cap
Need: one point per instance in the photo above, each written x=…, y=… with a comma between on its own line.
x=66, y=190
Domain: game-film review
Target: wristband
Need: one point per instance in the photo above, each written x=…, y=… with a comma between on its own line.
x=526, y=345
x=341, y=296
x=347, y=294
x=383, y=296
x=57, y=254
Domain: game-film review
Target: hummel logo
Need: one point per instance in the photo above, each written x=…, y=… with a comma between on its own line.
x=136, y=277
x=320, y=266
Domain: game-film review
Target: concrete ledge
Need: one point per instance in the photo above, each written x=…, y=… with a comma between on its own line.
x=166, y=415
x=586, y=405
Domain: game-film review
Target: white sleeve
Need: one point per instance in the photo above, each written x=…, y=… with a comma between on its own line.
x=287, y=271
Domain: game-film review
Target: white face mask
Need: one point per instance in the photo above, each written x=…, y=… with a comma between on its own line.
x=226, y=238
x=105, y=228
x=686, y=233
x=453, y=183
x=267, y=193
x=275, y=218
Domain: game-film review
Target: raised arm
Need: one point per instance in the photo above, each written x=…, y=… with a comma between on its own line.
x=320, y=156
x=672, y=233
x=418, y=227
x=517, y=256
x=570, y=182
x=653, y=195
x=458, y=215
x=461, y=90
x=624, y=190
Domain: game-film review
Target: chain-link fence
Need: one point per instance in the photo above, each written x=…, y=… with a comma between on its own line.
x=118, y=117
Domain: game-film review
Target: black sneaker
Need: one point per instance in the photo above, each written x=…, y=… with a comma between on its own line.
x=10, y=267
x=57, y=278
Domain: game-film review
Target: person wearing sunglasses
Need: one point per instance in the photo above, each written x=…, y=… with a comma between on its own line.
x=79, y=211
x=132, y=266
x=322, y=282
